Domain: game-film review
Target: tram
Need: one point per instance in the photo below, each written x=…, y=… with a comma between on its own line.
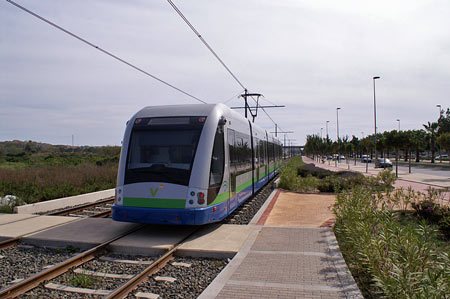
x=191, y=164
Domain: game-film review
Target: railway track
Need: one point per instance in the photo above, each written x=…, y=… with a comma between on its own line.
x=123, y=289
x=89, y=210
x=48, y=274
x=141, y=280
x=9, y=243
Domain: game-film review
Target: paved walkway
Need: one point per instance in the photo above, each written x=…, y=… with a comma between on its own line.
x=284, y=257
x=285, y=262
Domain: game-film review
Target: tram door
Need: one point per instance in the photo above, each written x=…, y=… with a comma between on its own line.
x=233, y=170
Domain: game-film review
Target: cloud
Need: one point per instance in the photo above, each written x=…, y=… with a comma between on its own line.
x=311, y=56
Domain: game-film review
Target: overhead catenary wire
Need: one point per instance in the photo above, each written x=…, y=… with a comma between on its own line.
x=204, y=42
x=215, y=54
x=233, y=97
x=102, y=50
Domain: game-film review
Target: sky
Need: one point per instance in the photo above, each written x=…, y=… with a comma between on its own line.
x=311, y=56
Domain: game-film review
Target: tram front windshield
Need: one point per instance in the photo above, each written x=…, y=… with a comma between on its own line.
x=163, y=149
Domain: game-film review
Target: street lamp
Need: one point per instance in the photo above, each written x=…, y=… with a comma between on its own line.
x=398, y=124
x=439, y=107
x=337, y=122
x=327, y=128
x=375, y=114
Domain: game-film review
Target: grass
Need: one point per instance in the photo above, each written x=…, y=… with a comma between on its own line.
x=37, y=184
x=37, y=172
x=82, y=281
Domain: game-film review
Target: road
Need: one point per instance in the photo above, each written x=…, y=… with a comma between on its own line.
x=414, y=169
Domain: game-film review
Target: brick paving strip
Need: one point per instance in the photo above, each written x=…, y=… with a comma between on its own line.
x=286, y=262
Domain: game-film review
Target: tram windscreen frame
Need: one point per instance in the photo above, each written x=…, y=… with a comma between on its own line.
x=162, y=149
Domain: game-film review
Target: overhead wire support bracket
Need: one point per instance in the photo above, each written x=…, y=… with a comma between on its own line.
x=245, y=95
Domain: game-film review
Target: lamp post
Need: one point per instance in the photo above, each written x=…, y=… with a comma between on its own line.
x=375, y=115
x=327, y=127
x=398, y=124
x=439, y=107
x=337, y=122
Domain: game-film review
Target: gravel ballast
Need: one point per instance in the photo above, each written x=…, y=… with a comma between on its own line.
x=190, y=281
x=246, y=211
x=22, y=261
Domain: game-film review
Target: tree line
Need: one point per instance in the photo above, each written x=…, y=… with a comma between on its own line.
x=433, y=136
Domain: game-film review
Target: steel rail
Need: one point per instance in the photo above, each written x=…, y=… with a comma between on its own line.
x=68, y=211
x=36, y=279
x=103, y=214
x=130, y=285
x=9, y=242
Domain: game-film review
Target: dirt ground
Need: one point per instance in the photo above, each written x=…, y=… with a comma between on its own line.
x=301, y=209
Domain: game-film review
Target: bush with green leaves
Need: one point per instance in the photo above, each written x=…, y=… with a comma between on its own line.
x=309, y=178
x=389, y=258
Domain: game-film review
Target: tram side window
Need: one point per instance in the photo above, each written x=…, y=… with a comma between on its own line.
x=256, y=151
x=217, y=159
x=243, y=152
x=270, y=149
x=266, y=158
x=233, y=160
x=261, y=152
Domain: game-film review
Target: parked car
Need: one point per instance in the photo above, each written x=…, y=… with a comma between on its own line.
x=383, y=163
x=443, y=157
x=338, y=157
x=366, y=159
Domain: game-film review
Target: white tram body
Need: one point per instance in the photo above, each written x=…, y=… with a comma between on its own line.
x=191, y=164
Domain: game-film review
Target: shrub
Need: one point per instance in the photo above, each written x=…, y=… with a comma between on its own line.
x=389, y=258
x=331, y=184
x=311, y=169
x=434, y=213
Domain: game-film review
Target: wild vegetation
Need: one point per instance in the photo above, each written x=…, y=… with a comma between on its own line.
x=36, y=172
x=395, y=242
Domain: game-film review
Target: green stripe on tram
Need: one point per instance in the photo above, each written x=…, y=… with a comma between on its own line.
x=220, y=198
x=244, y=185
x=158, y=203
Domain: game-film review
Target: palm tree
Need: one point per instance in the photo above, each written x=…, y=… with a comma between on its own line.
x=431, y=128
x=418, y=140
x=444, y=141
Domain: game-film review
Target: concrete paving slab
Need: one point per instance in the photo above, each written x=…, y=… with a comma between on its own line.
x=83, y=234
x=59, y=203
x=216, y=241
x=31, y=225
x=151, y=240
x=8, y=218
